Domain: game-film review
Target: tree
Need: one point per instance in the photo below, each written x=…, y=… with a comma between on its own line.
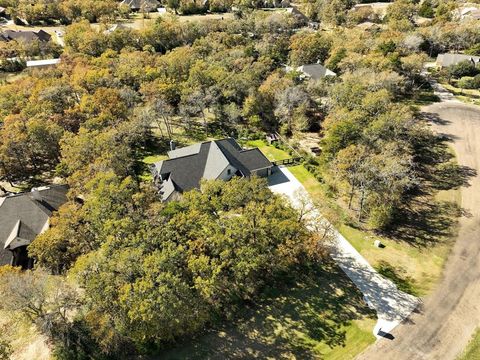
x=307, y=48
x=426, y=9
x=47, y=301
x=292, y=106
x=464, y=68
x=190, y=259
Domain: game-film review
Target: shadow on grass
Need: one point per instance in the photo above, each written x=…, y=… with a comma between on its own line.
x=404, y=282
x=290, y=322
x=426, y=223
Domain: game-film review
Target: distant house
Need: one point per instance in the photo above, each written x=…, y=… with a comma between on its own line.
x=26, y=36
x=446, y=60
x=218, y=159
x=142, y=5
x=469, y=13
x=42, y=63
x=312, y=71
x=299, y=16
x=23, y=217
x=379, y=8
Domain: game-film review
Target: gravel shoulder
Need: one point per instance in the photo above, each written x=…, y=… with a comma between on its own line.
x=452, y=312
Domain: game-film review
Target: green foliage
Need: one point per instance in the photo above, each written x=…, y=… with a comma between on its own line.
x=404, y=283
x=469, y=82
x=387, y=47
x=189, y=261
x=426, y=9
x=5, y=350
x=308, y=48
x=464, y=68
x=474, y=50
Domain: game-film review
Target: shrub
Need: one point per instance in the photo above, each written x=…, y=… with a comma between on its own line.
x=464, y=68
x=380, y=217
x=468, y=82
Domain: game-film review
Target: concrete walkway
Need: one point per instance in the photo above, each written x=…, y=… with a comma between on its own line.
x=392, y=305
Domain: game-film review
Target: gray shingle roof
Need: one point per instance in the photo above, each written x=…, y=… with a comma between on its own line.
x=315, y=71
x=209, y=160
x=446, y=60
x=26, y=215
x=145, y=5
x=27, y=36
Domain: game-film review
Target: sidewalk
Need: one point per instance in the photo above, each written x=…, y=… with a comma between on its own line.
x=392, y=305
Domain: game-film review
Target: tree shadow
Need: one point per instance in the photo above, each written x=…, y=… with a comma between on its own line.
x=313, y=306
x=427, y=222
x=435, y=165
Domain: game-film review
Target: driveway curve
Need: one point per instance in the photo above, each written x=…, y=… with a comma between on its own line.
x=452, y=312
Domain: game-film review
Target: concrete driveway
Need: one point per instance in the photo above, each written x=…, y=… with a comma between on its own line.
x=392, y=305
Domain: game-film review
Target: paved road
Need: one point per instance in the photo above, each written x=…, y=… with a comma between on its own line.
x=452, y=312
x=392, y=305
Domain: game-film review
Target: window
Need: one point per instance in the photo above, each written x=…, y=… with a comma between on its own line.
x=229, y=171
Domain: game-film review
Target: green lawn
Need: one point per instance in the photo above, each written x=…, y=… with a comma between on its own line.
x=151, y=159
x=472, y=352
x=469, y=96
x=271, y=152
x=321, y=315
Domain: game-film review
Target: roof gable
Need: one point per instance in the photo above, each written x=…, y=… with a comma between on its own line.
x=209, y=160
x=27, y=214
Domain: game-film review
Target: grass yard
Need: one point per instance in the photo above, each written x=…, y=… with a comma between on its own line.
x=468, y=96
x=318, y=315
x=271, y=152
x=138, y=21
x=472, y=352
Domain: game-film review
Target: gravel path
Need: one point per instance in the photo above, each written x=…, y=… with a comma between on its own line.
x=391, y=304
x=451, y=314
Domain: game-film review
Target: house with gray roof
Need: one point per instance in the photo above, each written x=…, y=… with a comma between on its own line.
x=25, y=36
x=142, y=5
x=211, y=160
x=23, y=217
x=446, y=60
x=312, y=71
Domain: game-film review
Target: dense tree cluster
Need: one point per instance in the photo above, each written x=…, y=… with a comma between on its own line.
x=64, y=11
x=150, y=273
x=154, y=272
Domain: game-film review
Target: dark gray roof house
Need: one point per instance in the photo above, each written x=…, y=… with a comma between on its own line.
x=142, y=5
x=218, y=159
x=312, y=71
x=27, y=36
x=23, y=217
x=446, y=60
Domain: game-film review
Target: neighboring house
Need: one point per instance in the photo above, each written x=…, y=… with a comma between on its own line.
x=301, y=17
x=42, y=63
x=312, y=71
x=379, y=8
x=446, y=60
x=26, y=36
x=469, y=13
x=218, y=159
x=23, y=217
x=142, y=5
